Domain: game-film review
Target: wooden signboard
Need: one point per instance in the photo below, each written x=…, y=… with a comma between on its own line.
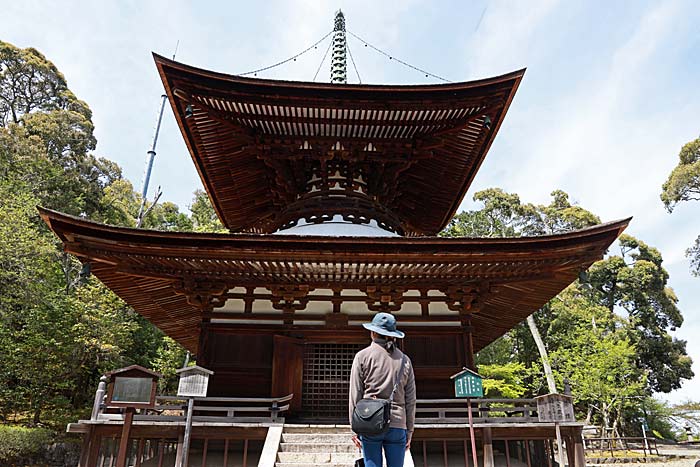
x=194, y=381
x=133, y=386
x=468, y=383
x=555, y=408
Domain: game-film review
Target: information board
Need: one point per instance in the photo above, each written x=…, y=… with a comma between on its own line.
x=132, y=389
x=468, y=384
x=193, y=384
x=555, y=408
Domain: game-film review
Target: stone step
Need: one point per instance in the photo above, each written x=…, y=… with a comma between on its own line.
x=317, y=437
x=317, y=447
x=317, y=457
x=318, y=429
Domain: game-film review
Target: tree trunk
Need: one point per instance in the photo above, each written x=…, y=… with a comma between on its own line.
x=606, y=419
x=543, y=354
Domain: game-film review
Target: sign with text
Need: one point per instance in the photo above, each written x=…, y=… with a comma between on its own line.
x=132, y=390
x=555, y=408
x=194, y=381
x=468, y=383
x=133, y=386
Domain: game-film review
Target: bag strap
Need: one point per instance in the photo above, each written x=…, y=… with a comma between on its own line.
x=398, y=378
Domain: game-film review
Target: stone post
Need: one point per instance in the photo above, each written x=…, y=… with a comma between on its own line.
x=99, y=398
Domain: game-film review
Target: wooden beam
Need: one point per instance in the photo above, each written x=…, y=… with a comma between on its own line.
x=487, y=442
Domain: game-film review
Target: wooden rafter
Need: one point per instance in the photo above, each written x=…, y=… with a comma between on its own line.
x=230, y=115
x=178, y=279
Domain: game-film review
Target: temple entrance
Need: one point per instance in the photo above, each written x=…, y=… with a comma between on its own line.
x=326, y=378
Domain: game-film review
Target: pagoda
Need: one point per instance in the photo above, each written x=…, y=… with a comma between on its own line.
x=333, y=194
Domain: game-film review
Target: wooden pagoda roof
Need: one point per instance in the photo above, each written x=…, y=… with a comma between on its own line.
x=250, y=138
x=173, y=279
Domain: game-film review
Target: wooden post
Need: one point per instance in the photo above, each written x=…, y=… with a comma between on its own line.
x=99, y=397
x=124, y=440
x=469, y=344
x=85, y=448
x=570, y=453
x=579, y=452
x=471, y=432
x=226, y=452
x=245, y=453
x=204, y=452
x=178, y=450
x=93, y=449
x=487, y=441
x=528, y=455
x=560, y=444
x=188, y=433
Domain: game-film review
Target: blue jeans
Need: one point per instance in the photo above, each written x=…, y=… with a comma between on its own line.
x=394, y=444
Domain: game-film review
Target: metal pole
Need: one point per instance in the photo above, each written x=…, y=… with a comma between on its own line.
x=149, y=164
x=188, y=432
x=152, y=156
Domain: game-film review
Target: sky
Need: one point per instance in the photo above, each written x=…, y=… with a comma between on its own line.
x=611, y=92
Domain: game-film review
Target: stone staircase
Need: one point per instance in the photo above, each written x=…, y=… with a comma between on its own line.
x=315, y=446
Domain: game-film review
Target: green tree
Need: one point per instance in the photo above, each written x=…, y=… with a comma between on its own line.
x=683, y=184
x=592, y=349
x=503, y=215
x=608, y=335
x=204, y=218
x=29, y=82
x=59, y=328
x=636, y=282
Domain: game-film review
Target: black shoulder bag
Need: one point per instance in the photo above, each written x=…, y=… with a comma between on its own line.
x=373, y=416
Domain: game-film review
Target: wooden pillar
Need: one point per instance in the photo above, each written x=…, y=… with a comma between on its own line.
x=124, y=440
x=487, y=441
x=93, y=448
x=202, y=354
x=469, y=342
x=579, y=452
x=178, y=451
x=85, y=448
x=570, y=453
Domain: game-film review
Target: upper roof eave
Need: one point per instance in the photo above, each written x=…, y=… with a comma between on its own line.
x=65, y=225
x=182, y=81
x=282, y=86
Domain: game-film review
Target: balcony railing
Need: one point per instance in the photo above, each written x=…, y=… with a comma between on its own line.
x=444, y=411
x=208, y=409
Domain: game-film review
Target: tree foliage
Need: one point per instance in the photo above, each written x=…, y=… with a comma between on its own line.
x=636, y=282
x=608, y=336
x=59, y=328
x=683, y=184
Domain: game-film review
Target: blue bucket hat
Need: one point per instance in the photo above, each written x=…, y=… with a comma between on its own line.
x=384, y=324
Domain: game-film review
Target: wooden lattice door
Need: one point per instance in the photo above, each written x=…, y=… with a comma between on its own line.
x=326, y=379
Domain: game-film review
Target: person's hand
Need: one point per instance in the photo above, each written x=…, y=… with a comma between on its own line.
x=408, y=441
x=358, y=443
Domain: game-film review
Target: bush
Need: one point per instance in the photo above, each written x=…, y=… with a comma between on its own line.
x=18, y=443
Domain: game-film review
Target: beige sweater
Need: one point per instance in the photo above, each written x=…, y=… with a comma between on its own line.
x=372, y=376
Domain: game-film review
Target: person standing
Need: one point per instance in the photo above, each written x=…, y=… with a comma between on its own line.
x=373, y=375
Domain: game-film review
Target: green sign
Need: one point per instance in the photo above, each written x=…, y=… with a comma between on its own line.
x=468, y=384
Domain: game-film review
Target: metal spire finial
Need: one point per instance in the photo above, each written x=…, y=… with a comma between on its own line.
x=339, y=63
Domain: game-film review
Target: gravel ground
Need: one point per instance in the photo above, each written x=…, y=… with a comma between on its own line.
x=672, y=463
x=691, y=454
